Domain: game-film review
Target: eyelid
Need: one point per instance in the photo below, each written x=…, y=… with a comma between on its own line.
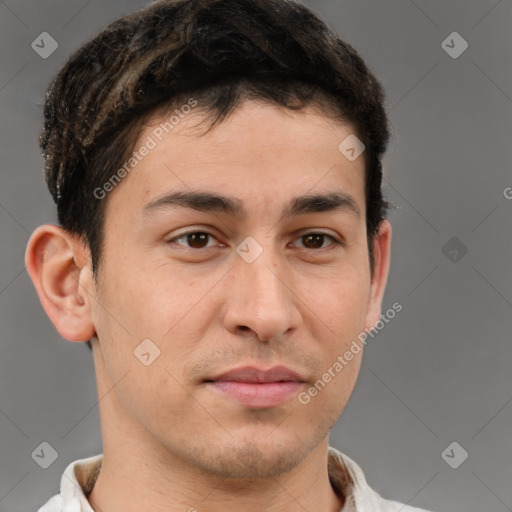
x=335, y=241
x=299, y=234
x=190, y=232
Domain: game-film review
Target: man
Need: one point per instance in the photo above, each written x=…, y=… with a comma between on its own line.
x=216, y=166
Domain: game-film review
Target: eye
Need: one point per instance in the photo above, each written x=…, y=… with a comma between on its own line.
x=316, y=240
x=196, y=239
x=199, y=240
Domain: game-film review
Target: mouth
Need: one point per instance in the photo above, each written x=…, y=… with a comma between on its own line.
x=257, y=387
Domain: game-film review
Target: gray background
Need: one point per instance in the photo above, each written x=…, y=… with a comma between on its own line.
x=439, y=372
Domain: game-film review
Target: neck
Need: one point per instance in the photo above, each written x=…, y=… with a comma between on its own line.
x=132, y=475
x=138, y=471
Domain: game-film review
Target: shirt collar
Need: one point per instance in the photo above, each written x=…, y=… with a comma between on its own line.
x=77, y=482
x=345, y=476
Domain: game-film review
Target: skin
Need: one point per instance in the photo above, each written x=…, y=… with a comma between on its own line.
x=170, y=441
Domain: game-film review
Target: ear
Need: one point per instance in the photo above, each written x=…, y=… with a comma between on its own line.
x=56, y=262
x=382, y=255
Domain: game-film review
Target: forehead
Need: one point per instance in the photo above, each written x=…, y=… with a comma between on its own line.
x=259, y=153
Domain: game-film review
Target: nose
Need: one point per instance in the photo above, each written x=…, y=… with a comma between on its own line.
x=261, y=298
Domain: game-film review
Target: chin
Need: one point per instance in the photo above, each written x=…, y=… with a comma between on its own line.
x=253, y=459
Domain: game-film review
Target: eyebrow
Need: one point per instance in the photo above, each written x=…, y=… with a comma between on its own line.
x=205, y=201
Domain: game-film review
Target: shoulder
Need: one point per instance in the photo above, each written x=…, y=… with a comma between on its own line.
x=394, y=506
x=54, y=504
x=346, y=475
x=78, y=479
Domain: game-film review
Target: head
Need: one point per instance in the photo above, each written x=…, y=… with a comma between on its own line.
x=245, y=99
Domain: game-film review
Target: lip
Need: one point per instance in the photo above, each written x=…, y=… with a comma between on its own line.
x=257, y=387
x=259, y=375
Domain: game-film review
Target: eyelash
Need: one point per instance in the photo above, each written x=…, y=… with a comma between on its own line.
x=334, y=244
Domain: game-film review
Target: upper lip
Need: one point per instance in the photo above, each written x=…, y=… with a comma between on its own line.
x=255, y=374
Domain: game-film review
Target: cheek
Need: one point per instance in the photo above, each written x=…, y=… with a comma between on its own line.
x=342, y=307
x=146, y=302
x=324, y=401
x=160, y=304
x=153, y=395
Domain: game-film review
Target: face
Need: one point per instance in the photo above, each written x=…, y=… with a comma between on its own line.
x=216, y=289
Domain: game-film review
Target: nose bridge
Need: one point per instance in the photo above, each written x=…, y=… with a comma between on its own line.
x=262, y=298
x=269, y=280
x=262, y=267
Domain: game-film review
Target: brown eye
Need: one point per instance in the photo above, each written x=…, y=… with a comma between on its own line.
x=194, y=239
x=316, y=240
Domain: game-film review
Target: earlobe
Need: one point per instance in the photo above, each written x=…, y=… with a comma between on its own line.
x=56, y=263
x=382, y=255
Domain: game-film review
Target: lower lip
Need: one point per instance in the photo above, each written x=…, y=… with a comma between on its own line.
x=264, y=394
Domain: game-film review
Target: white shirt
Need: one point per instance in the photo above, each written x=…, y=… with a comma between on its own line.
x=346, y=477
